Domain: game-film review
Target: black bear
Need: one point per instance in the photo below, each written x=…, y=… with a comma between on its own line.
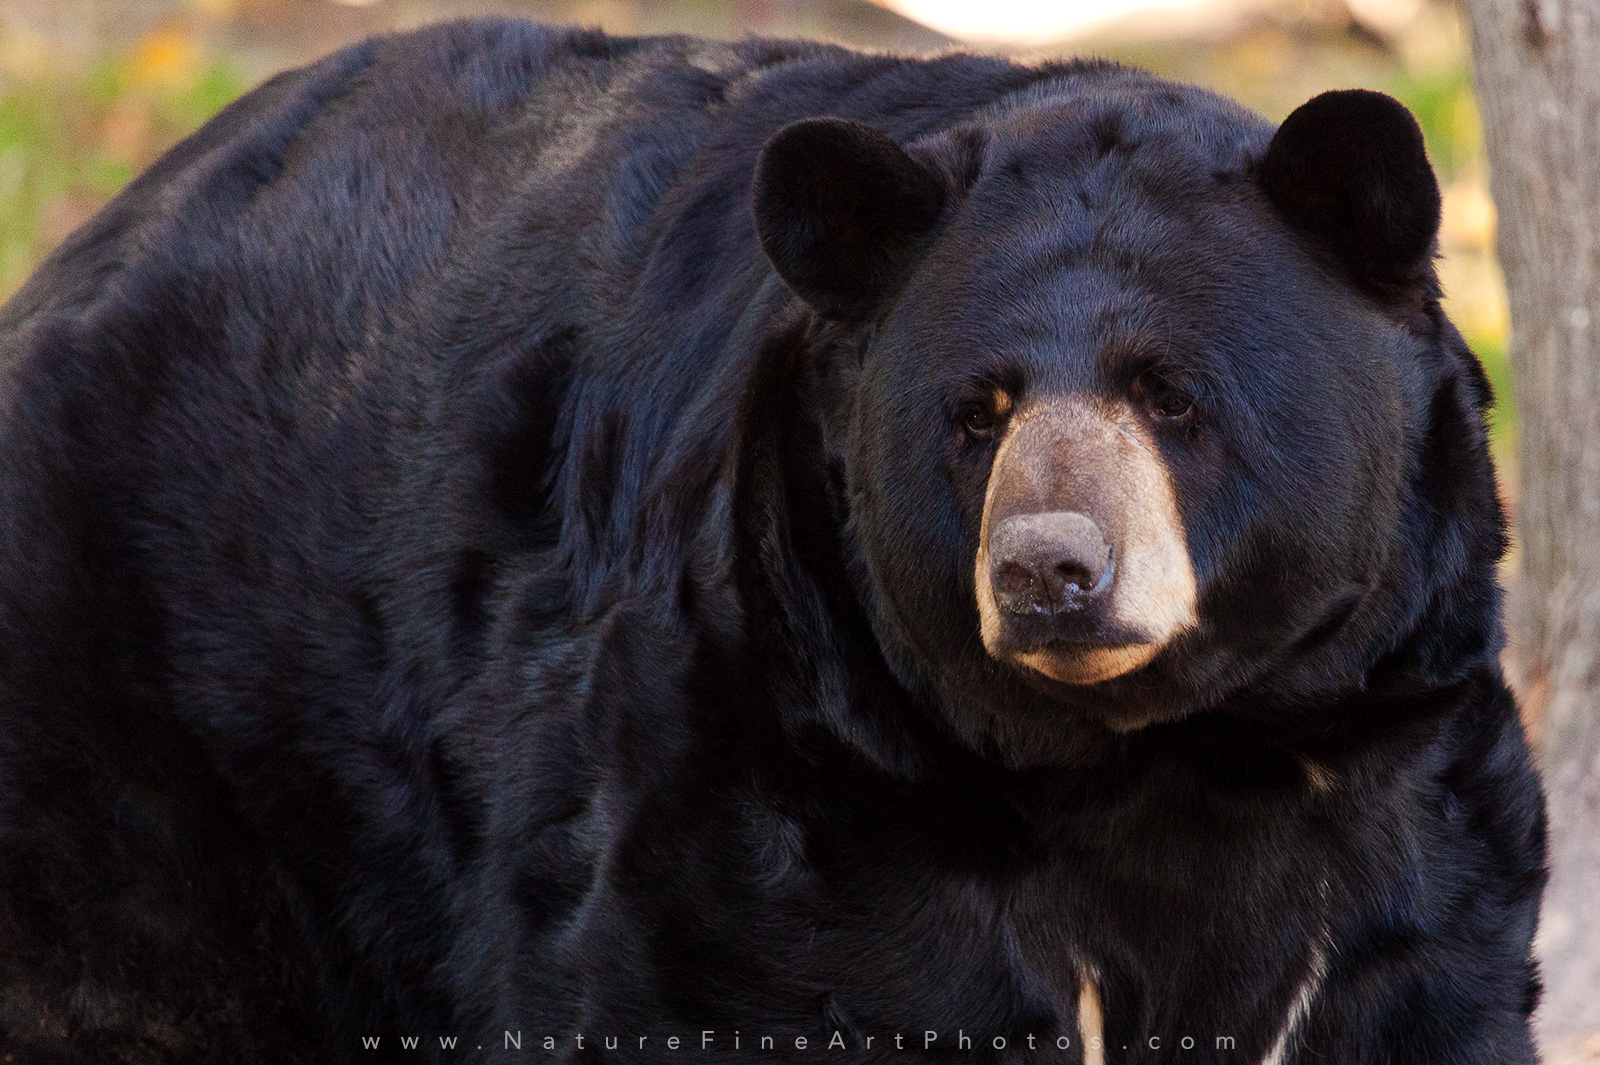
x=518, y=543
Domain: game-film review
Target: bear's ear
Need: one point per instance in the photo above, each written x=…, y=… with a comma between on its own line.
x=843, y=212
x=1349, y=168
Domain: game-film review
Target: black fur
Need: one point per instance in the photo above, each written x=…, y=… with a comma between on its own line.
x=449, y=585
x=1349, y=167
x=841, y=210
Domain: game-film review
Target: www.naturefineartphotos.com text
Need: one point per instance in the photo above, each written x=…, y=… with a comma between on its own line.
x=740, y=1042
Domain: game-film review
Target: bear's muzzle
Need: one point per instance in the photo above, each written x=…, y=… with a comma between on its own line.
x=1083, y=570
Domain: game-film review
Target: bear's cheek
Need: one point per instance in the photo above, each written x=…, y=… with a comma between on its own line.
x=911, y=526
x=1083, y=571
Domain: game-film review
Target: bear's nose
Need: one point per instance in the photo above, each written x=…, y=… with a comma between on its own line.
x=1048, y=563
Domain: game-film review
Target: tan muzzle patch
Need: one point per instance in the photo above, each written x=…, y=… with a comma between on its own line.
x=1076, y=455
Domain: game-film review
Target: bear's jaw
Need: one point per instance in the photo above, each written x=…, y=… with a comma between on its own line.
x=1083, y=571
x=1088, y=667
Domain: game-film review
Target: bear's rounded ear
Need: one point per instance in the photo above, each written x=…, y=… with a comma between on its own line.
x=843, y=212
x=1349, y=168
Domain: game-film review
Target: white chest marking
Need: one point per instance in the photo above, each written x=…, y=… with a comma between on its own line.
x=1090, y=1030
x=1300, y=1007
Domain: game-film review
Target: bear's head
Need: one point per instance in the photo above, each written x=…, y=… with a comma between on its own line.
x=1141, y=408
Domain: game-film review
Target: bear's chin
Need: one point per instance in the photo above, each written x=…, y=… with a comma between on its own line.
x=1087, y=666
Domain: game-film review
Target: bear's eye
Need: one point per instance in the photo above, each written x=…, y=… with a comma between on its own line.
x=982, y=419
x=979, y=421
x=1163, y=398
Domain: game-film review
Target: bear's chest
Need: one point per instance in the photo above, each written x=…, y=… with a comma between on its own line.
x=883, y=928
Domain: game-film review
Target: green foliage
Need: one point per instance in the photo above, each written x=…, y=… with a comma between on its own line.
x=1491, y=351
x=69, y=141
x=1444, y=105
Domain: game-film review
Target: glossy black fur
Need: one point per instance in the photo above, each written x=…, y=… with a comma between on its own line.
x=450, y=585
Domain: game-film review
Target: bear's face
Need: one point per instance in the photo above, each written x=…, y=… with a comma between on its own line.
x=1137, y=417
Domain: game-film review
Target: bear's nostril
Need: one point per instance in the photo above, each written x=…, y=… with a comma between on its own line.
x=1016, y=579
x=1068, y=579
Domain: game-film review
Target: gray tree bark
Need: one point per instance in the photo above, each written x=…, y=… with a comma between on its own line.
x=1537, y=66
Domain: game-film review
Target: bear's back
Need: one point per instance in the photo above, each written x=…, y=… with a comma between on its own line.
x=276, y=423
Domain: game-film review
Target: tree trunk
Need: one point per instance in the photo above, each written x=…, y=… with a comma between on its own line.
x=1538, y=78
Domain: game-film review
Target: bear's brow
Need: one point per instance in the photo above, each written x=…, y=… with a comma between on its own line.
x=1126, y=354
x=1001, y=377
